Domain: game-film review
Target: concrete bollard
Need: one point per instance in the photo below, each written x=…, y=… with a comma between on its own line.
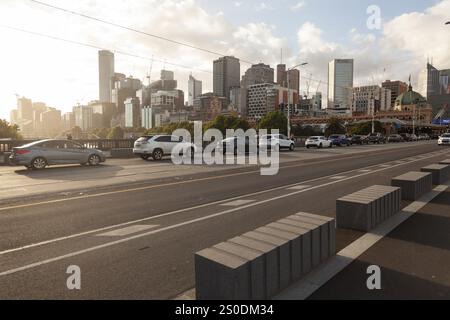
x=446, y=162
x=413, y=184
x=439, y=172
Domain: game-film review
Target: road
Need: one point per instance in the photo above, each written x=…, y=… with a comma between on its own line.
x=132, y=226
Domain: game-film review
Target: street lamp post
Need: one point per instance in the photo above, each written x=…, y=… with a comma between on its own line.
x=289, y=97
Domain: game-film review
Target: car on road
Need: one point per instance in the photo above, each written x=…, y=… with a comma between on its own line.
x=424, y=137
x=414, y=137
x=40, y=154
x=358, y=139
x=444, y=140
x=158, y=146
x=276, y=141
x=395, y=138
x=318, y=142
x=406, y=137
x=339, y=140
x=376, y=137
x=236, y=145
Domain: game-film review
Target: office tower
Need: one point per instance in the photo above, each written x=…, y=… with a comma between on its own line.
x=340, y=84
x=105, y=75
x=194, y=89
x=226, y=75
x=256, y=74
x=396, y=87
x=429, y=81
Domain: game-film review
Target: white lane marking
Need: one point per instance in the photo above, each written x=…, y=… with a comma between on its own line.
x=181, y=224
x=127, y=230
x=364, y=170
x=338, y=177
x=188, y=209
x=237, y=203
x=384, y=165
x=321, y=275
x=300, y=187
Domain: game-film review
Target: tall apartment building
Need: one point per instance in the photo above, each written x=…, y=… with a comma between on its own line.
x=340, y=84
x=83, y=117
x=267, y=97
x=132, y=113
x=256, y=74
x=105, y=75
x=194, y=89
x=396, y=87
x=226, y=75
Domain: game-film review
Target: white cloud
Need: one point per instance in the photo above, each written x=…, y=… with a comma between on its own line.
x=237, y=4
x=299, y=5
x=263, y=7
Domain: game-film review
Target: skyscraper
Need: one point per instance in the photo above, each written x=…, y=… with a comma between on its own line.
x=429, y=81
x=194, y=89
x=340, y=84
x=227, y=74
x=282, y=77
x=105, y=75
x=396, y=87
x=257, y=74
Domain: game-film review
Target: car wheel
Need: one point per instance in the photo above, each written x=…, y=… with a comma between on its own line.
x=94, y=160
x=145, y=156
x=38, y=163
x=320, y=146
x=291, y=147
x=157, y=154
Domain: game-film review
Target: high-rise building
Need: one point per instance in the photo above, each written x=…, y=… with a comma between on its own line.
x=132, y=113
x=283, y=79
x=68, y=121
x=50, y=122
x=396, y=87
x=226, y=75
x=281, y=75
x=24, y=109
x=267, y=97
x=105, y=75
x=340, y=84
x=124, y=88
x=444, y=81
x=194, y=89
x=83, y=117
x=429, y=81
x=256, y=74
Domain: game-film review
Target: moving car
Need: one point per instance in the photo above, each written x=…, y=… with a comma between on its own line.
x=444, y=140
x=376, y=138
x=40, y=154
x=395, y=138
x=358, y=139
x=158, y=146
x=339, y=140
x=276, y=141
x=318, y=142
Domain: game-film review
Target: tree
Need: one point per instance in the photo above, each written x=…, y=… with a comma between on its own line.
x=365, y=128
x=76, y=132
x=116, y=133
x=306, y=131
x=222, y=123
x=274, y=120
x=9, y=131
x=103, y=133
x=334, y=126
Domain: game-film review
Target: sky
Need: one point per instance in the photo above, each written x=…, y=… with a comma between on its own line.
x=63, y=74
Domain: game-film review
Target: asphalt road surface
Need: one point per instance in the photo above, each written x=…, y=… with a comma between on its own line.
x=135, y=238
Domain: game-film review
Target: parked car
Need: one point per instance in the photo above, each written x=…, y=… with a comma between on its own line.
x=234, y=145
x=414, y=137
x=158, y=146
x=444, y=140
x=424, y=137
x=358, y=139
x=395, y=138
x=376, y=138
x=277, y=141
x=318, y=142
x=339, y=140
x=40, y=154
x=406, y=137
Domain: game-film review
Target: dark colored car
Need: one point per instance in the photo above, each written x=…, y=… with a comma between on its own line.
x=395, y=138
x=376, y=138
x=357, y=139
x=340, y=140
x=406, y=137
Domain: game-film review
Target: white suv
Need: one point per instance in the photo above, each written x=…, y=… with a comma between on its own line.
x=158, y=146
x=318, y=142
x=276, y=141
x=444, y=139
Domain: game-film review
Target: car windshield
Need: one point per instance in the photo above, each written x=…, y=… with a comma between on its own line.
x=446, y=135
x=334, y=136
x=34, y=144
x=313, y=138
x=145, y=138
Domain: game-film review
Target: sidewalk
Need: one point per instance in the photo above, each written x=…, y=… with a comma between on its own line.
x=414, y=260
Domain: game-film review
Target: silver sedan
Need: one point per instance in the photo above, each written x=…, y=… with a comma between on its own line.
x=39, y=154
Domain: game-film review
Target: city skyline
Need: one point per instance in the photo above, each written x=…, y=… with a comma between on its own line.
x=63, y=74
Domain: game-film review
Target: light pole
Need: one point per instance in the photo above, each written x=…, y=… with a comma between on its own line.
x=289, y=97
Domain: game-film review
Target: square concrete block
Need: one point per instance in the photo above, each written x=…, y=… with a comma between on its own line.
x=446, y=162
x=257, y=267
x=271, y=262
x=440, y=173
x=378, y=203
x=413, y=184
x=324, y=233
x=295, y=244
x=221, y=276
x=354, y=213
x=331, y=228
x=315, y=238
x=284, y=254
x=306, y=236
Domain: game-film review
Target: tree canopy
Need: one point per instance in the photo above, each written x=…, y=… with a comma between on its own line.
x=274, y=120
x=8, y=130
x=335, y=126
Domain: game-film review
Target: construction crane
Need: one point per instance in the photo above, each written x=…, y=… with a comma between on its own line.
x=308, y=83
x=441, y=112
